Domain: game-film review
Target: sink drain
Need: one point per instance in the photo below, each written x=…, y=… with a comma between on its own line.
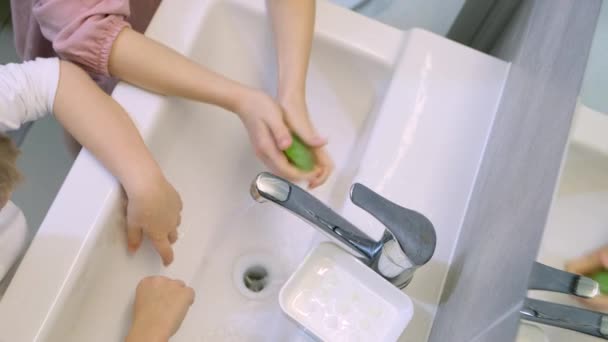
x=255, y=278
x=258, y=275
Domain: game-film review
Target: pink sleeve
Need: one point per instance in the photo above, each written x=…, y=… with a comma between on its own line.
x=83, y=31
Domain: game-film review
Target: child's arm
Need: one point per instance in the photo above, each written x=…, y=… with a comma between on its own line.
x=97, y=36
x=293, y=24
x=130, y=61
x=101, y=125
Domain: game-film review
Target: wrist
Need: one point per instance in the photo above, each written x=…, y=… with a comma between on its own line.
x=241, y=101
x=139, y=184
x=291, y=96
x=139, y=333
x=291, y=82
x=246, y=100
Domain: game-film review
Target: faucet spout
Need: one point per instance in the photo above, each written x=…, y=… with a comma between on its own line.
x=566, y=317
x=408, y=242
x=291, y=197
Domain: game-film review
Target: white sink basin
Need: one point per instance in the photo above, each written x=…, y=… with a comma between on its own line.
x=408, y=113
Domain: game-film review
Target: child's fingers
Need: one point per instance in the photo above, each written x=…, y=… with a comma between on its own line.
x=180, y=203
x=587, y=264
x=604, y=257
x=190, y=295
x=280, y=132
x=326, y=167
x=310, y=137
x=280, y=165
x=134, y=237
x=173, y=236
x=266, y=149
x=164, y=249
x=263, y=142
x=319, y=179
x=299, y=122
x=180, y=282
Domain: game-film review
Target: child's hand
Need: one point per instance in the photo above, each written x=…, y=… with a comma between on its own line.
x=264, y=121
x=297, y=118
x=588, y=265
x=153, y=208
x=160, y=307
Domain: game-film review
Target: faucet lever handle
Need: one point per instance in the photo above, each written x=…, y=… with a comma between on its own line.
x=548, y=278
x=412, y=230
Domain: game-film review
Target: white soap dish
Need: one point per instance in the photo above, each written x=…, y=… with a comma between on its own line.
x=334, y=298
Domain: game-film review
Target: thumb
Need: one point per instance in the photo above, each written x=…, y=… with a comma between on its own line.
x=298, y=120
x=307, y=133
x=280, y=132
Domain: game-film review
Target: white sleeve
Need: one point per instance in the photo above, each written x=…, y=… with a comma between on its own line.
x=27, y=91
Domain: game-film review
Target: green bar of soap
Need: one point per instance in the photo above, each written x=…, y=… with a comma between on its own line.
x=602, y=278
x=300, y=155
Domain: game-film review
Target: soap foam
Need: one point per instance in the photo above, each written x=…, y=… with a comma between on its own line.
x=337, y=307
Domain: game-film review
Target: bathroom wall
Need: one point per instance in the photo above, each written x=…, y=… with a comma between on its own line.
x=7, y=51
x=548, y=42
x=480, y=22
x=595, y=86
x=434, y=15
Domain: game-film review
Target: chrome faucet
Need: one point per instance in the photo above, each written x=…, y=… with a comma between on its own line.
x=547, y=278
x=563, y=316
x=407, y=243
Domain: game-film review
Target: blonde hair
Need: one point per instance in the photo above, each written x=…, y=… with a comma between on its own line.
x=9, y=175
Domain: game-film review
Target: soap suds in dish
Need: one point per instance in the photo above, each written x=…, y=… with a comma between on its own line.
x=338, y=307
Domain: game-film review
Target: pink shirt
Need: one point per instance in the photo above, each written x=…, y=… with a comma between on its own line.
x=81, y=31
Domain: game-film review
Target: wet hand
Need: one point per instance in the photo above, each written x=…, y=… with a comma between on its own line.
x=264, y=120
x=154, y=209
x=297, y=118
x=160, y=307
